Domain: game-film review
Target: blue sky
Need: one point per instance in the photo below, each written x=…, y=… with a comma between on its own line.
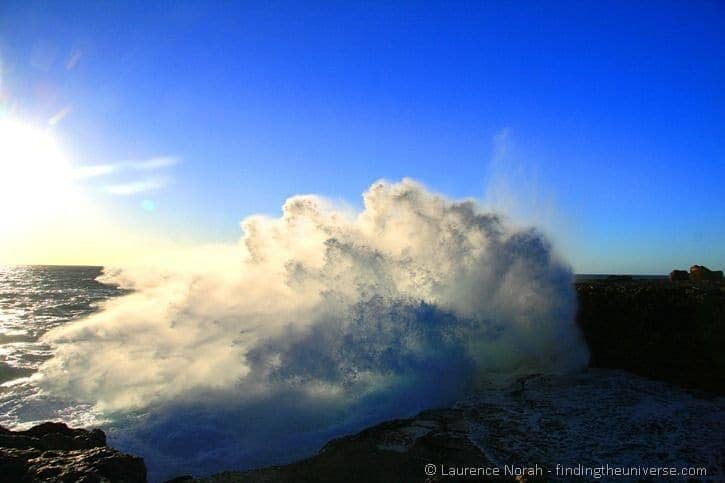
x=615, y=109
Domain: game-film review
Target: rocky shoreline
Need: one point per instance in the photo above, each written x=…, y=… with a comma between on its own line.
x=527, y=432
x=55, y=452
x=662, y=330
x=396, y=450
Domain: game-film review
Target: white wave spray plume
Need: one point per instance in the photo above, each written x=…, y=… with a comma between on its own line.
x=321, y=322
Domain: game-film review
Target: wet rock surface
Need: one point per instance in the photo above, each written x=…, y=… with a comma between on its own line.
x=54, y=452
x=594, y=418
x=396, y=450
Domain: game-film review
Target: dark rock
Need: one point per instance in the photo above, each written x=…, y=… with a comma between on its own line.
x=657, y=329
x=52, y=436
x=679, y=276
x=700, y=273
x=54, y=452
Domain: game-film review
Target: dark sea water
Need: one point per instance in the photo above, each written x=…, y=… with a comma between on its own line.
x=594, y=417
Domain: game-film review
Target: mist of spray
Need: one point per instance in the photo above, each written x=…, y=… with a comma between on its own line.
x=322, y=321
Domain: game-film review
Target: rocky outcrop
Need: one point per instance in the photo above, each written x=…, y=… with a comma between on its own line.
x=54, y=452
x=679, y=276
x=669, y=331
x=700, y=273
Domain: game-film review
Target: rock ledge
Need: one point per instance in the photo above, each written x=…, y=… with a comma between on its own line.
x=54, y=452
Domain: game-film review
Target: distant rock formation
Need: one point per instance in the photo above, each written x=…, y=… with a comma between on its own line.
x=700, y=273
x=56, y=453
x=679, y=276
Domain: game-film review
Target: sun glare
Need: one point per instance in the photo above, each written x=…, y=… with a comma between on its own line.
x=35, y=176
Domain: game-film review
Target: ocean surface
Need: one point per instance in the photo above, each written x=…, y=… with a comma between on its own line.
x=594, y=417
x=33, y=300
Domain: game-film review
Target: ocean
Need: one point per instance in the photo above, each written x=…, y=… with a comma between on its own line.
x=593, y=417
x=33, y=300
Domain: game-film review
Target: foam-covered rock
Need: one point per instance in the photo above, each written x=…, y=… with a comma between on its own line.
x=530, y=431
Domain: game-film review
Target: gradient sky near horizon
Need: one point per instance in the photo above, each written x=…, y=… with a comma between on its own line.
x=604, y=122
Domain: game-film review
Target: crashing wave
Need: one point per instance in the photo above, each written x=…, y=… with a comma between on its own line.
x=320, y=322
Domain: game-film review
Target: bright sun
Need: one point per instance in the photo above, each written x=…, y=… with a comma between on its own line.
x=45, y=215
x=35, y=176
